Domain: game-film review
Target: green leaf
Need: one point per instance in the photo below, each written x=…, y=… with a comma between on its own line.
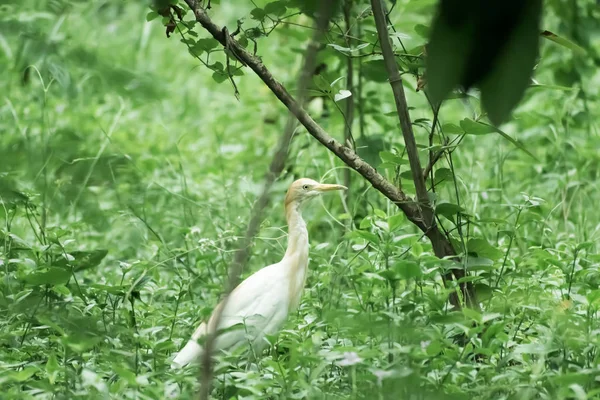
x=380, y=213
x=472, y=314
x=452, y=129
x=395, y=221
x=483, y=249
x=23, y=375
x=219, y=77
x=389, y=275
x=151, y=15
x=479, y=263
x=80, y=342
x=480, y=128
x=62, y=290
x=9, y=195
x=52, y=368
x=531, y=348
x=375, y=71
x=53, y=276
x=471, y=127
x=276, y=7
x=369, y=236
x=390, y=157
x=117, y=290
x=341, y=49
x=434, y=348
x=206, y=44
x=407, y=175
x=82, y=260
x=217, y=66
x=422, y=30
x=258, y=14
x=448, y=210
x=407, y=269
x=443, y=174
x=564, y=42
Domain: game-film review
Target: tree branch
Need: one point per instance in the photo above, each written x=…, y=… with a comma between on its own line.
x=440, y=243
x=402, y=110
x=347, y=155
x=441, y=246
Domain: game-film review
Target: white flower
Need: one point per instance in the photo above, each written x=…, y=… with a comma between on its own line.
x=381, y=375
x=350, y=358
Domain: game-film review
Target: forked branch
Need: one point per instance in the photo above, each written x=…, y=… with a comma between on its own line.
x=441, y=246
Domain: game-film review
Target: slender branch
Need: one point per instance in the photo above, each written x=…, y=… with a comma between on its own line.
x=434, y=159
x=346, y=154
x=440, y=243
x=402, y=109
x=348, y=138
x=275, y=169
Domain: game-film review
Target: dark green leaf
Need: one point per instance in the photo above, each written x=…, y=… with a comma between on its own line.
x=375, y=71
x=206, y=45
x=390, y=157
x=258, y=14
x=443, y=174
x=407, y=269
x=371, y=237
x=276, y=7
x=483, y=249
x=219, y=77
x=452, y=129
x=82, y=260
x=480, y=128
x=447, y=55
x=395, y=221
x=448, y=210
x=151, y=15
x=52, y=276
x=471, y=127
x=504, y=86
x=422, y=30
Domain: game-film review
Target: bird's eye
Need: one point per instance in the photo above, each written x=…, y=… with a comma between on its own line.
x=305, y=187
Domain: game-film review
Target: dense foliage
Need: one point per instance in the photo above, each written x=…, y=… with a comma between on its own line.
x=128, y=168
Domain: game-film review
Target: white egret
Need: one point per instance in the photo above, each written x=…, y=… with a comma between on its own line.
x=260, y=305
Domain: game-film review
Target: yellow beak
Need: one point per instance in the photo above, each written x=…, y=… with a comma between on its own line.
x=324, y=187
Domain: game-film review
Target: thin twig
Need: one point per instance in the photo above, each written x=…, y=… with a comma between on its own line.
x=275, y=169
x=402, y=110
x=348, y=138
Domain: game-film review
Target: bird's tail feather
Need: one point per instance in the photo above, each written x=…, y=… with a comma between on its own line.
x=190, y=353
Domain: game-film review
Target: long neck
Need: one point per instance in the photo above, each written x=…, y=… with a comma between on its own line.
x=297, y=232
x=296, y=255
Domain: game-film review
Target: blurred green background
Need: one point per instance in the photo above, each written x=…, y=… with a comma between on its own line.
x=127, y=173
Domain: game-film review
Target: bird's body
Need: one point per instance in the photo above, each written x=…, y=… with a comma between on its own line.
x=259, y=306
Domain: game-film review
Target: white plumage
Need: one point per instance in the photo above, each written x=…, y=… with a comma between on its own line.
x=260, y=305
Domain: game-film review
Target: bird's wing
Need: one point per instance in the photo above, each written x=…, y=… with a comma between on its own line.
x=256, y=307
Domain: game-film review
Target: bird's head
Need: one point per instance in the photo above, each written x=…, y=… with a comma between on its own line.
x=304, y=189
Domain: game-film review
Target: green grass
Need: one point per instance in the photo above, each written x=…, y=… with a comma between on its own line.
x=127, y=174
